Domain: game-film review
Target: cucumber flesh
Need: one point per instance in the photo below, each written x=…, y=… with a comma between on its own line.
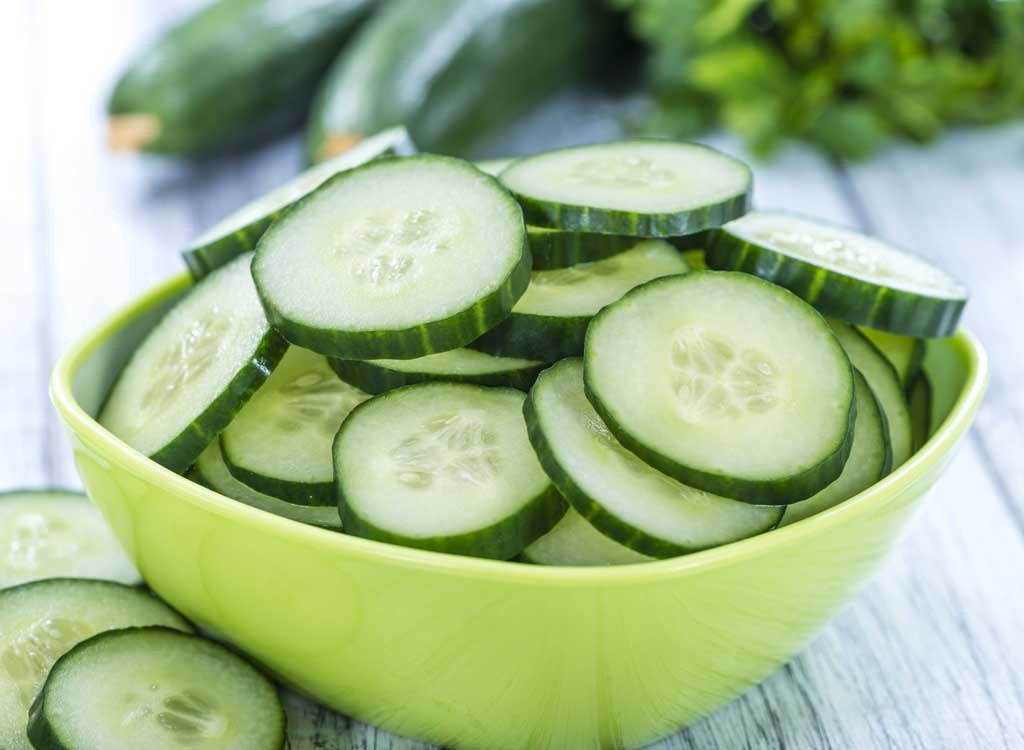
x=211, y=472
x=239, y=232
x=396, y=259
x=701, y=375
x=159, y=689
x=885, y=384
x=643, y=188
x=280, y=442
x=904, y=352
x=444, y=466
x=195, y=369
x=847, y=275
x=624, y=498
x=573, y=541
x=42, y=620
x=55, y=534
x=549, y=322
x=919, y=404
x=456, y=365
x=870, y=458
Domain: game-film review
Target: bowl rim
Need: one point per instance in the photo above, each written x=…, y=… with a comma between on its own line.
x=80, y=422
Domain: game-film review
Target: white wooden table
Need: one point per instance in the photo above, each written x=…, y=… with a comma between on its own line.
x=930, y=656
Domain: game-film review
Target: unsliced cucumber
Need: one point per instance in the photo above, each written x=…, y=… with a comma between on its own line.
x=919, y=404
x=644, y=188
x=56, y=533
x=847, y=275
x=447, y=467
x=195, y=369
x=885, y=384
x=211, y=472
x=573, y=541
x=41, y=621
x=280, y=442
x=457, y=365
x=240, y=231
x=726, y=383
x=396, y=259
x=550, y=320
x=158, y=689
x=904, y=352
x=618, y=493
x=870, y=458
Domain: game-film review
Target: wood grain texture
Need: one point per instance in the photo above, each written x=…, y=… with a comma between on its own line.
x=929, y=656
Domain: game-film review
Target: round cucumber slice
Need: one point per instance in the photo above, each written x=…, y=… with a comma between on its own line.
x=904, y=352
x=57, y=533
x=41, y=621
x=211, y=472
x=280, y=442
x=447, y=467
x=726, y=383
x=619, y=494
x=456, y=365
x=847, y=275
x=642, y=188
x=549, y=322
x=195, y=369
x=158, y=689
x=399, y=258
x=240, y=231
x=573, y=541
x=870, y=457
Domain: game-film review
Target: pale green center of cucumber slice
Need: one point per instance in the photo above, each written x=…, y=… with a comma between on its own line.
x=187, y=716
x=384, y=248
x=33, y=540
x=315, y=401
x=184, y=359
x=27, y=658
x=622, y=171
x=461, y=446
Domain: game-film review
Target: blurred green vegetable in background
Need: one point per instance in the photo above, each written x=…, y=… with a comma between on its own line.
x=847, y=75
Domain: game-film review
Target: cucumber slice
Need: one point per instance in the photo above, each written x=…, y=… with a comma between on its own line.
x=557, y=248
x=457, y=365
x=885, y=384
x=57, y=533
x=726, y=383
x=618, y=493
x=195, y=369
x=870, y=457
x=573, y=541
x=850, y=276
x=280, y=442
x=642, y=188
x=904, y=352
x=211, y=472
x=395, y=259
x=447, y=467
x=550, y=320
x=919, y=404
x=158, y=689
x=42, y=620
x=239, y=232
x=493, y=167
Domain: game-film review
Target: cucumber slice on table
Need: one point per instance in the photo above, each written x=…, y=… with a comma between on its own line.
x=623, y=497
x=239, y=232
x=211, y=472
x=573, y=541
x=847, y=275
x=885, y=384
x=40, y=621
x=870, y=457
x=645, y=188
x=280, y=442
x=396, y=259
x=919, y=404
x=447, y=467
x=457, y=365
x=726, y=383
x=550, y=320
x=54, y=533
x=158, y=689
x=904, y=352
x=195, y=369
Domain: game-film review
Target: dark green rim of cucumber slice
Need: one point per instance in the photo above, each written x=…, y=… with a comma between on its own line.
x=919, y=403
x=374, y=377
x=546, y=338
x=556, y=248
x=311, y=494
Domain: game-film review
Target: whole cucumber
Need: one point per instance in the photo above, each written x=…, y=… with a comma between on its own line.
x=229, y=73
x=453, y=71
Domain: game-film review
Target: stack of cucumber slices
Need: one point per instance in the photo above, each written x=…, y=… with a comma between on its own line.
x=595, y=355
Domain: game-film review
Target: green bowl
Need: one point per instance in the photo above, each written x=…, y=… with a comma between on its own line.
x=475, y=653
